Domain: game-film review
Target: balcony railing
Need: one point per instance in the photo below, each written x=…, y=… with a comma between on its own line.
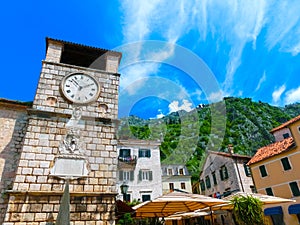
x=128, y=159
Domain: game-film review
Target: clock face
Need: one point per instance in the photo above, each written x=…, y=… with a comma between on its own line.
x=80, y=88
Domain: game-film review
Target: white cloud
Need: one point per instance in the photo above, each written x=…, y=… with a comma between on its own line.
x=262, y=79
x=284, y=26
x=134, y=77
x=160, y=115
x=292, y=96
x=215, y=96
x=276, y=95
x=174, y=106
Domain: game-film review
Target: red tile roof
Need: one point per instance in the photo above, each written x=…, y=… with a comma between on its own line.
x=286, y=124
x=272, y=149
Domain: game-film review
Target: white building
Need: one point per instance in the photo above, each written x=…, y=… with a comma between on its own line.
x=139, y=168
x=176, y=177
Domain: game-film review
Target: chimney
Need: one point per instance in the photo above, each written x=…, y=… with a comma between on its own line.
x=230, y=149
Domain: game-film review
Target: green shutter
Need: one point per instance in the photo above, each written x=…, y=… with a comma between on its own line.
x=225, y=172
x=150, y=175
x=131, y=175
x=221, y=174
x=140, y=175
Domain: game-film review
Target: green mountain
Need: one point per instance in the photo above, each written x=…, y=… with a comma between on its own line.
x=185, y=136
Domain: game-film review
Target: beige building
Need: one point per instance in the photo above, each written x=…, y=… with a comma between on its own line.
x=275, y=170
x=139, y=168
x=175, y=177
x=225, y=173
x=68, y=133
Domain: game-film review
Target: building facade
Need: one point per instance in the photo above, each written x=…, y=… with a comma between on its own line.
x=275, y=170
x=225, y=173
x=139, y=168
x=175, y=177
x=69, y=133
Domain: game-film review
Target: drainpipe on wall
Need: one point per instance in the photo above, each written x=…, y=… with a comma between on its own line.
x=230, y=149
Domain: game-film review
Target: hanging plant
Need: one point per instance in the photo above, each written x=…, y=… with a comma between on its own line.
x=248, y=210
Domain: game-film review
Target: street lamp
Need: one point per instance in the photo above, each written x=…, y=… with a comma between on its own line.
x=124, y=188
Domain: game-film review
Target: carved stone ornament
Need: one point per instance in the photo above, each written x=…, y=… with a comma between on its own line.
x=71, y=162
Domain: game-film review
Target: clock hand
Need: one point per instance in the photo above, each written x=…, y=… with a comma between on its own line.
x=76, y=83
x=88, y=85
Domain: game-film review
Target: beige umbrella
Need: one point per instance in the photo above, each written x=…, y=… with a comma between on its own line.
x=180, y=216
x=265, y=199
x=175, y=202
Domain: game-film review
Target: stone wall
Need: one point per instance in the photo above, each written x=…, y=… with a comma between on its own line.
x=13, y=121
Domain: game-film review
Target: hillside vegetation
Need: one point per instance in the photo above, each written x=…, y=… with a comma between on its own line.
x=185, y=136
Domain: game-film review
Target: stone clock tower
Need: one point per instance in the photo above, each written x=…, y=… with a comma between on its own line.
x=71, y=138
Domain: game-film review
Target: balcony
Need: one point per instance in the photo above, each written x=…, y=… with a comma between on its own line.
x=128, y=159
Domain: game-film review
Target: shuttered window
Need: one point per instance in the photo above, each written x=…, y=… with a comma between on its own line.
x=126, y=175
x=145, y=175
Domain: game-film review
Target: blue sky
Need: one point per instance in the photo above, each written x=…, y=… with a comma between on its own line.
x=237, y=48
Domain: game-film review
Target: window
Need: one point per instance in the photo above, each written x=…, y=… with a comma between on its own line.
x=286, y=163
x=170, y=172
x=223, y=173
x=181, y=172
x=207, y=182
x=298, y=216
x=174, y=222
x=286, y=135
x=202, y=185
x=146, y=198
x=247, y=170
x=126, y=175
x=126, y=197
x=124, y=153
x=269, y=191
x=182, y=185
x=144, y=153
x=145, y=175
x=253, y=189
x=263, y=171
x=227, y=192
x=295, y=189
x=171, y=186
x=214, y=178
x=277, y=219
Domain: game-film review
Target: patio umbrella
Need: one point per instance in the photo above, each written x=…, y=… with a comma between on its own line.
x=265, y=199
x=180, y=216
x=175, y=202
